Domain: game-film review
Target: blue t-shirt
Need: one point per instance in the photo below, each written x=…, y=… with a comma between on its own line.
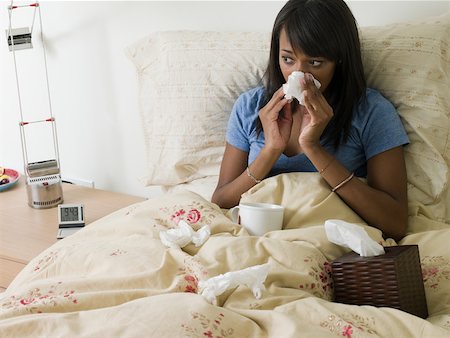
x=376, y=127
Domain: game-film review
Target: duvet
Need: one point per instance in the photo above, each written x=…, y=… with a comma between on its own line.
x=115, y=278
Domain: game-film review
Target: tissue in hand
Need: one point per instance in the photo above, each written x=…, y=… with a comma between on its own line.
x=183, y=235
x=352, y=236
x=293, y=88
x=253, y=277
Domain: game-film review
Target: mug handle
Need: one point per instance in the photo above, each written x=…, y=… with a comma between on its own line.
x=234, y=214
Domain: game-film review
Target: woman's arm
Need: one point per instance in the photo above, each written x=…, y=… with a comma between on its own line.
x=382, y=202
x=234, y=179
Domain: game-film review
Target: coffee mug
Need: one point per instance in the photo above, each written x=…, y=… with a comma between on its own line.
x=258, y=218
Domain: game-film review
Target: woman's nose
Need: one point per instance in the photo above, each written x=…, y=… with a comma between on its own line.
x=301, y=67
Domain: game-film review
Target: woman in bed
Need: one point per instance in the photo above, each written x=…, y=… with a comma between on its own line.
x=344, y=130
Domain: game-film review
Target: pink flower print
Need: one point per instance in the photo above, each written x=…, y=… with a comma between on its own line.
x=193, y=216
x=192, y=284
x=208, y=334
x=325, y=276
x=69, y=293
x=26, y=301
x=347, y=331
x=118, y=252
x=178, y=215
x=430, y=272
x=190, y=288
x=190, y=278
x=36, y=298
x=45, y=261
x=327, y=267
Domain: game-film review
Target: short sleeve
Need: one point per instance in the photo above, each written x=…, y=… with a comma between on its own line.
x=383, y=129
x=241, y=123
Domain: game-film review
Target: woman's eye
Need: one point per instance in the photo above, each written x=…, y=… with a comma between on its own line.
x=315, y=63
x=287, y=60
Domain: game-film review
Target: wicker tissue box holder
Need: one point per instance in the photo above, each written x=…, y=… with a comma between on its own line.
x=390, y=280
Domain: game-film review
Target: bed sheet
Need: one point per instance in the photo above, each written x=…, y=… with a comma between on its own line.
x=115, y=278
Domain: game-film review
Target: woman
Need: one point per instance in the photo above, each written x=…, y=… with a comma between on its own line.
x=344, y=129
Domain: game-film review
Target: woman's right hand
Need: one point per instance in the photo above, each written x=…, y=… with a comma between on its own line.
x=276, y=120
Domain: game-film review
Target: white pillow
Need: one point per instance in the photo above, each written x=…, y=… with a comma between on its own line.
x=409, y=63
x=203, y=186
x=189, y=81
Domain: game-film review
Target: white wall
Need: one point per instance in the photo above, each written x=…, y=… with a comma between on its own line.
x=94, y=86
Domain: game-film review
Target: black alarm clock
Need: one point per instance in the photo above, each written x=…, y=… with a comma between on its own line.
x=70, y=219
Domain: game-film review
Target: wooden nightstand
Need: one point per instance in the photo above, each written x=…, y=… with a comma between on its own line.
x=25, y=232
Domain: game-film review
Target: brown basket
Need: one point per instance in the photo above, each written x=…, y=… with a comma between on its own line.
x=390, y=280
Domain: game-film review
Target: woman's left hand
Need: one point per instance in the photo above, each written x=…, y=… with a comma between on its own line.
x=317, y=113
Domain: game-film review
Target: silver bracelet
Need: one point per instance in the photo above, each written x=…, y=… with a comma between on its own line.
x=249, y=174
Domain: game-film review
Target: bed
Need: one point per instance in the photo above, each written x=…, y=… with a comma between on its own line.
x=115, y=278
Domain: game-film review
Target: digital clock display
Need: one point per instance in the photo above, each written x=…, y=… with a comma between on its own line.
x=69, y=214
x=71, y=219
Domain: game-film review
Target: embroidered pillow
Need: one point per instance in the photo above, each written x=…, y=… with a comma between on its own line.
x=189, y=81
x=409, y=63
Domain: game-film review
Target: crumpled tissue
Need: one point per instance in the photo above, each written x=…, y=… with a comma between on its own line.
x=293, y=88
x=183, y=235
x=352, y=236
x=253, y=277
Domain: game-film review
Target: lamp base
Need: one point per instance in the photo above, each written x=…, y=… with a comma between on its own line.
x=44, y=192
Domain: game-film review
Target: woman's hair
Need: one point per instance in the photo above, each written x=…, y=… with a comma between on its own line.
x=322, y=28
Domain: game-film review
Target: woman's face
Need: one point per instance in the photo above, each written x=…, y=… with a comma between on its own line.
x=290, y=61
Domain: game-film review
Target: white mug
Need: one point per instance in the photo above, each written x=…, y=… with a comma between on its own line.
x=258, y=218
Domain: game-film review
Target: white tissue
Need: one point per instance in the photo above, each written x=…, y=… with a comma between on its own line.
x=183, y=235
x=293, y=89
x=253, y=277
x=352, y=236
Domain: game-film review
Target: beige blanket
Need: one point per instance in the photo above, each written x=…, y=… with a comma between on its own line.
x=116, y=279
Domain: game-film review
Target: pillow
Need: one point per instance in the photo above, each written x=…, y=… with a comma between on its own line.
x=409, y=63
x=203, y=186
x=188, y=82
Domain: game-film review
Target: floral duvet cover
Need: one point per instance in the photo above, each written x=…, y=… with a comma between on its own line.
x=115, y=278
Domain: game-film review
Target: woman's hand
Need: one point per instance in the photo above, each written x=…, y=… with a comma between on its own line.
x=317, y=113
x=276, y=120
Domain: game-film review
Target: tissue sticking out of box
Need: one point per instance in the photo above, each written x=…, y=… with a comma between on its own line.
x=352, y=236
x=253, y=277
x=293, y=88
x=183, y=235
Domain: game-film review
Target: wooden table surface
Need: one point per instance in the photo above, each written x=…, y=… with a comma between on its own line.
x=25, y=232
